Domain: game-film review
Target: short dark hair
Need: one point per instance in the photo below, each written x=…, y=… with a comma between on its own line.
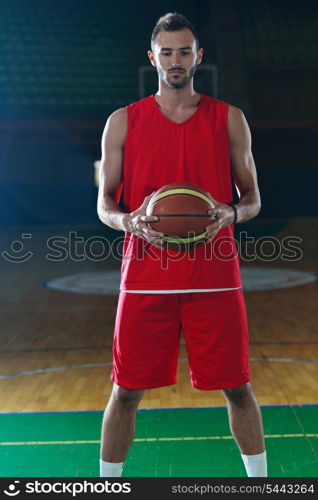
x=173, y=22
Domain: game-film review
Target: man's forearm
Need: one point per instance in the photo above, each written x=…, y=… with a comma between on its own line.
x=110, y=214
x=248, y=206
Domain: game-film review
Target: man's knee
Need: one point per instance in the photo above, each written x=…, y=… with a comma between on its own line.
x=238, y=395
x=127, y=397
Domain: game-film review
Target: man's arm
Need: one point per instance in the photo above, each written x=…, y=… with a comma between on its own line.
x=110, y=177
x=244, y=174
x=111, y=170
x=243, y=166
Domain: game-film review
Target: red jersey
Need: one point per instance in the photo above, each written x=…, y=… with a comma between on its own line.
x=159, y=151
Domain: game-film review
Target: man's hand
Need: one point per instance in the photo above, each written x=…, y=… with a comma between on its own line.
x=222, y=216
x=136, y=223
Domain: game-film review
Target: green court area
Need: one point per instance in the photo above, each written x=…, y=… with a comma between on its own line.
x=191, y=442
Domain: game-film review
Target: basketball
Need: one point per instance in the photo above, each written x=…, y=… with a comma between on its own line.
x=182, y=209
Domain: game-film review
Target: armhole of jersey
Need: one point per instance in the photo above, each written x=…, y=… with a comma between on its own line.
x=119, y=191
x=226, y=118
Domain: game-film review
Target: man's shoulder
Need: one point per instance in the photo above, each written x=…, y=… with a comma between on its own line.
x=140, y=103
x=118, y=114
x=214, y=100
x=220, y=102
x=121, y=116
x=235, y=114
x=233, y=111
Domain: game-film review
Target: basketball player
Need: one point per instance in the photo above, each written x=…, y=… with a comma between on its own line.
x=178, y=135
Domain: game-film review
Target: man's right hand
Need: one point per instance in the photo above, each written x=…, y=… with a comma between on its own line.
x=136, y=223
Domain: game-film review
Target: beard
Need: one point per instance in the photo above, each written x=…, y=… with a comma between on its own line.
x=180, y=83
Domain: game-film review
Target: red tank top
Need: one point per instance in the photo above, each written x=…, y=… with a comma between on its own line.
x=159, y=151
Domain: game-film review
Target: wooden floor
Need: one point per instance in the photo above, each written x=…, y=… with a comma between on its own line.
x=67, y=338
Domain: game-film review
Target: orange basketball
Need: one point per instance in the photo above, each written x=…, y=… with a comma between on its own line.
x=182, y=209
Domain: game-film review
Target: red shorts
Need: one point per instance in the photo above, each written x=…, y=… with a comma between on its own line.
x=147, y=336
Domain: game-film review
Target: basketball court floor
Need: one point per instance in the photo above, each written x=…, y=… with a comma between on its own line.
x=57, y=316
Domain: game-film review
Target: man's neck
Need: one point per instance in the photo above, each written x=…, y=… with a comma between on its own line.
x=174, y=98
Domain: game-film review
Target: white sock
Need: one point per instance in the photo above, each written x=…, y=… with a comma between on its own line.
x=255, y=465
x=110, y=469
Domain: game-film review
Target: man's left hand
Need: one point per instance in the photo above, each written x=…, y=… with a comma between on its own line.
x=222, y=216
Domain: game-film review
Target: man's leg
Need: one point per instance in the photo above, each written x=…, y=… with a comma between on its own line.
x=247, y=428
x=118, y=429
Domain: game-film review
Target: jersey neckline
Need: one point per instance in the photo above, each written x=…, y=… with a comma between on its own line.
x=199, y=106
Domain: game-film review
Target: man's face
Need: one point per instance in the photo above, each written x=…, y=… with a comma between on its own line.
x=176, y=57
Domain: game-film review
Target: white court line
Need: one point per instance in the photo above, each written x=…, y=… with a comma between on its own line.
x=145, y=440
x=93, y=365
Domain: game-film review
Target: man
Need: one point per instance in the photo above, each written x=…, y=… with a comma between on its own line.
x=178, y=135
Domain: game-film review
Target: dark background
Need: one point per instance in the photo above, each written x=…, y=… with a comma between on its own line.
x=66, y=65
